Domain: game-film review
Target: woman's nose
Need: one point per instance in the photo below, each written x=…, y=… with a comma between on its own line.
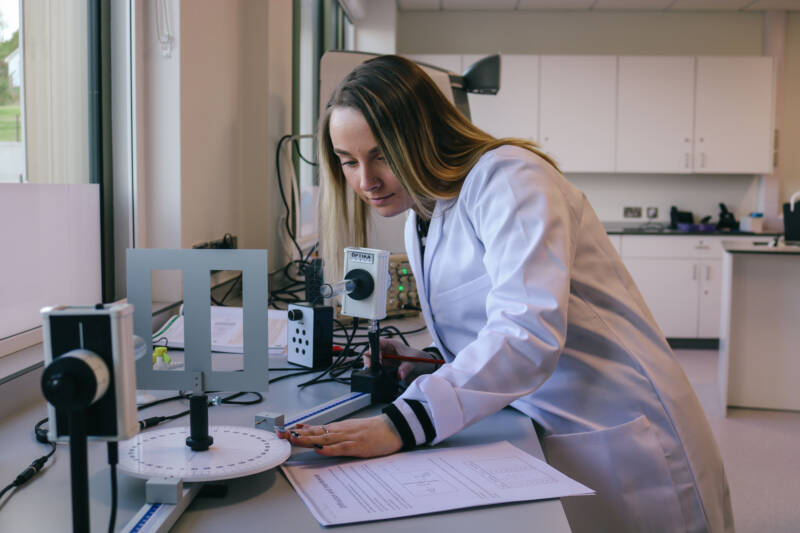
x=369, y=181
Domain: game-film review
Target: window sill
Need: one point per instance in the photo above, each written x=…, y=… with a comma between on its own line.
x=21, y=362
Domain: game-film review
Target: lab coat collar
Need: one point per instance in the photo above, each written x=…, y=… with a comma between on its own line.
x=434, y=237
x=414, y=258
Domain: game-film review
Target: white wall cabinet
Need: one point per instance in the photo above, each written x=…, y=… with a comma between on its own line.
x=733, y=118
x=655, y=117
x=703, y=115
x=667, y=288
x=633, y=113
x=680, y=280
x=577, y=105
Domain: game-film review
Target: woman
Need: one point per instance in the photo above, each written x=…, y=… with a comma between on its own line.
x=526, y=300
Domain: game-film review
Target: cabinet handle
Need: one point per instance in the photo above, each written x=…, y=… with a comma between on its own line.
x=694, y=272
x=686, y=163
x=702, y=247
x=702, y=160
x=708, y=273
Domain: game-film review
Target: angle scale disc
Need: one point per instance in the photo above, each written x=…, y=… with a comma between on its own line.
x=236, y=452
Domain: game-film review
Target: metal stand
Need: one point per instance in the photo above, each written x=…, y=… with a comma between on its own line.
x=380, y=384
x=79, y=471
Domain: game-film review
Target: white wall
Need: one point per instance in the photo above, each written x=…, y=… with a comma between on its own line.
x=375, y=27
x=209, y=116
x=789, y=154
x=266, y=102
x=613, y=33
x=210, y=119
x=158, y=202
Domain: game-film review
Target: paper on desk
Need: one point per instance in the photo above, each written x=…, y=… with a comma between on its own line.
x=227, y=325
x=424, y=481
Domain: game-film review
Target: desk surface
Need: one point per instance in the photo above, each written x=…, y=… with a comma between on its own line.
x=763, y=247
x=264, y=501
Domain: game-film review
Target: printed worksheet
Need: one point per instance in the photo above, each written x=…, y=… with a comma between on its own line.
x=342, y=491
x=227, y=327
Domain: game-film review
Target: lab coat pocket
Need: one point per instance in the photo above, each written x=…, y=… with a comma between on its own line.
x=474, y=287
x=627, y=467
x=460, y=312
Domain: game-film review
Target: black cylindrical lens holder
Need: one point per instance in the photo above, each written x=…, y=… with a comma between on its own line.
x=199, y=440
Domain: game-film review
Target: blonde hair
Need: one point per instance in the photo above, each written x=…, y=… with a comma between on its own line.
x=429, y=145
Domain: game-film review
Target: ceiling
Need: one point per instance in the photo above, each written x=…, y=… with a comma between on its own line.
x=598, y=5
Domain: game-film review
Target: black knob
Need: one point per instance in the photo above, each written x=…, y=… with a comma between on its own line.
x=294, y=314
x=364, y=283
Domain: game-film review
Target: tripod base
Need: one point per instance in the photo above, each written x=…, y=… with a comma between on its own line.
x=380, y=384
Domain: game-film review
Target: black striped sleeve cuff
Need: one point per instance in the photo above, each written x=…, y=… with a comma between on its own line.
x=411, y=421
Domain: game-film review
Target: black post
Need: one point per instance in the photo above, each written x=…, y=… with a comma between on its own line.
x=199, y=440
x=79, y=471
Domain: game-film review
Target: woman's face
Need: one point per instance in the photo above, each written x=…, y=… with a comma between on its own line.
x=363, y=164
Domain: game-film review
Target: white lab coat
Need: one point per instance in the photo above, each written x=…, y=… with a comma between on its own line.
x=531, y=306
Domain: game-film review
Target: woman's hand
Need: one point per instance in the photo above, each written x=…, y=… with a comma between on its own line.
x=406, y=371
x=356, y=437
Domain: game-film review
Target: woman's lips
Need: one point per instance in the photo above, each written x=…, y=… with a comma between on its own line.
x=381, y=200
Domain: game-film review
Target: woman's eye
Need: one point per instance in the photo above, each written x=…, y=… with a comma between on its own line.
x=348, y=163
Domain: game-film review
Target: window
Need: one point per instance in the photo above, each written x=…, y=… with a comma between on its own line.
x=49, y=210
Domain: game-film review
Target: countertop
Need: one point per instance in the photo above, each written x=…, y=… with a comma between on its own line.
x=662, y=228
x=759, y=247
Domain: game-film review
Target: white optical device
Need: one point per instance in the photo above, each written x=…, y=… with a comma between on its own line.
x=89, y=357
x=369, y=270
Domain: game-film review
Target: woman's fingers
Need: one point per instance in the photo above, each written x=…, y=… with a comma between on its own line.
x=313, y=436
x=387, y=346
x=358, y=437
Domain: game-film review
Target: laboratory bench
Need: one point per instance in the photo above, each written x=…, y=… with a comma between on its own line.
x=264, y=501
x=758, y=359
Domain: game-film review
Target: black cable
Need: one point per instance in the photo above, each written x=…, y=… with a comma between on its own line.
x=156, y=420
x=113, y=459
x=180, y=396
x=293, y=374
x=230, y=399
x=311, y=251
x=335, y=363
x=32, y=469
x=300, y=155
x=287, y=211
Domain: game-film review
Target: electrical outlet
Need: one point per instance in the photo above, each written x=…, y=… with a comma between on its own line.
x=632, y=212
x=310, y=335
x=652, y=212
x=227, y=241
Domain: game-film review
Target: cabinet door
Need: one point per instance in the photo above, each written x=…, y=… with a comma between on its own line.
x=514, y=110
x=669, y=287
x=578, y=111
x=733, y=117
x=655, y=115
x=710, y=306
